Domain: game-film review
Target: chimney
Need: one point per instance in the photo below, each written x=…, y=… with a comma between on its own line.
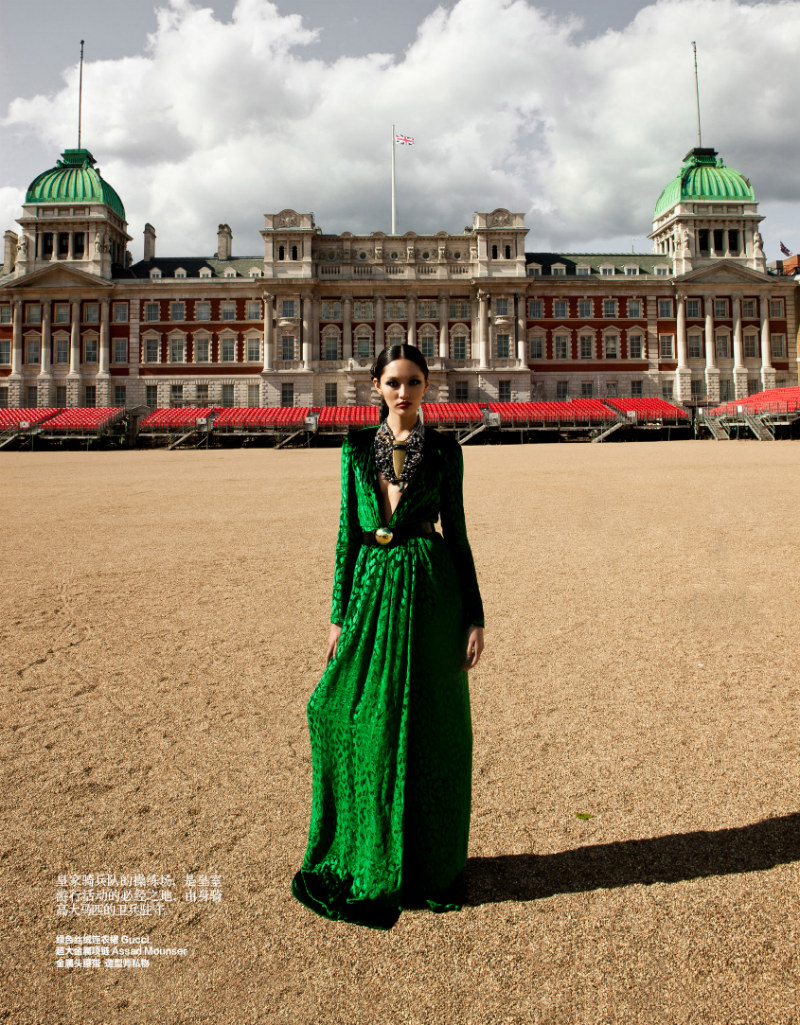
x=10, y=251
x=149, y=242
x=224, y=242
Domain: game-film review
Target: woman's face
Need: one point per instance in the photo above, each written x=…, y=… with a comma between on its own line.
x=402, y=386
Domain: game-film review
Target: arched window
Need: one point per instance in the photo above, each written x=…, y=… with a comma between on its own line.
x=281, y=252
x=494, y=252
x=396, y=335
x=294, y=252
x=364, y=342
x=459, y=343
x=330, y=343
x=508, y=252
x=427, y=342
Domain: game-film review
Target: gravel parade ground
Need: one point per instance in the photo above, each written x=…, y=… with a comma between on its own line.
x=635, y=842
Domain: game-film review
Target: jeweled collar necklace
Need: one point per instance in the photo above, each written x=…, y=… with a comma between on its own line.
x=397, y=460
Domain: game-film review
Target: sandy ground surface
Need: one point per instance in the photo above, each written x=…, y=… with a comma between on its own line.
x=164, y=617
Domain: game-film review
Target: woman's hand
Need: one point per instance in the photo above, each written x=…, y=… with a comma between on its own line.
x=333, y=642
x=474, y=646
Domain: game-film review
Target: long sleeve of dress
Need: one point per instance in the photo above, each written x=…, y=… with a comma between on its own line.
x=348, y=540
x=454, y=531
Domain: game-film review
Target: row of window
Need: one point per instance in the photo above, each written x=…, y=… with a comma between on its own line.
x=583, y=270
x=427, y=309
x=587, y=309
x=587, y=346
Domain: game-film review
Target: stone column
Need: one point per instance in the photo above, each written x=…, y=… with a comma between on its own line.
x=380, y=328
x=306, y=300
x=15, y=377
x=45, y=382
x=103, y=380
x=739, y=368
x=347, y=327
x=269, y=331
x=74, y=375
x=483, y=330
x=683, y=375
x=521, y=328
x=712, y=371
x=16, y=348
x=411, y=310
x=443, y=303
x=315, y=340
x=767, y=369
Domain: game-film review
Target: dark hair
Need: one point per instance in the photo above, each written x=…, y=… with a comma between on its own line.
x=389, y=355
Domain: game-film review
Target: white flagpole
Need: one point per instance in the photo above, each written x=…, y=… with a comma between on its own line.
x=394, y=225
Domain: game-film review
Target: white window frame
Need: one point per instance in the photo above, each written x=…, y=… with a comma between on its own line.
x=539, y=341
x=226, y=342
x=201, y=338
x=777, y=346
x=176, y=339
x=116, y=344
x=147, y=340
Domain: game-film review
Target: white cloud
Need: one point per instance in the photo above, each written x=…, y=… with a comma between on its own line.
x=508, y=105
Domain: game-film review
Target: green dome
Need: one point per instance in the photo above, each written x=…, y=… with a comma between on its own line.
x=702, y=177
x=74, y=179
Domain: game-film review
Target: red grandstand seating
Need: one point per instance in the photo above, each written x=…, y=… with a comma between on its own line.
x=648, y=408
x=575, y=411
x=451, y=412
x=180, y=418
x=85, y=419
x=10, y=418
x=348, y=416
x=773, y=400
x=261, y=416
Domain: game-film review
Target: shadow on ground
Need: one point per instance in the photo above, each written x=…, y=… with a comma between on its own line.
x=661, y=859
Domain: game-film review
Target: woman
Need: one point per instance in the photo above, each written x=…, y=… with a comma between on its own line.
x=391, y=736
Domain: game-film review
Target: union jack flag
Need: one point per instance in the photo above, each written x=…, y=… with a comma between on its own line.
x=403, y=140
x=785, y=250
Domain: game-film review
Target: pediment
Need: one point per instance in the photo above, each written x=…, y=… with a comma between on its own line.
x=724, y=272
x=59, y=276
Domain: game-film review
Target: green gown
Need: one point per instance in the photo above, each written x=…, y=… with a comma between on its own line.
x=390, y=727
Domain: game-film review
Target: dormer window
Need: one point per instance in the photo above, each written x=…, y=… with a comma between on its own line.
x=205, y=272
x=180, y=273
x=230, y=273
x=583, y=270
x=155, y=274
x=607, y=270
x=558, y=270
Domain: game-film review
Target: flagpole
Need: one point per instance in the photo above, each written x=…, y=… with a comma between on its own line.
x=394, y=226
x=80, y=97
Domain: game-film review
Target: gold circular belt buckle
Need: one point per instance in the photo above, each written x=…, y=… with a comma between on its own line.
x=383, y=536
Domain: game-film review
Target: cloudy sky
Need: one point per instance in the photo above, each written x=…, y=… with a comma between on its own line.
x=575, y=112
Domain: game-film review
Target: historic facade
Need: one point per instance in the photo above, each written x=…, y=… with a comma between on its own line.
x=701, y=317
